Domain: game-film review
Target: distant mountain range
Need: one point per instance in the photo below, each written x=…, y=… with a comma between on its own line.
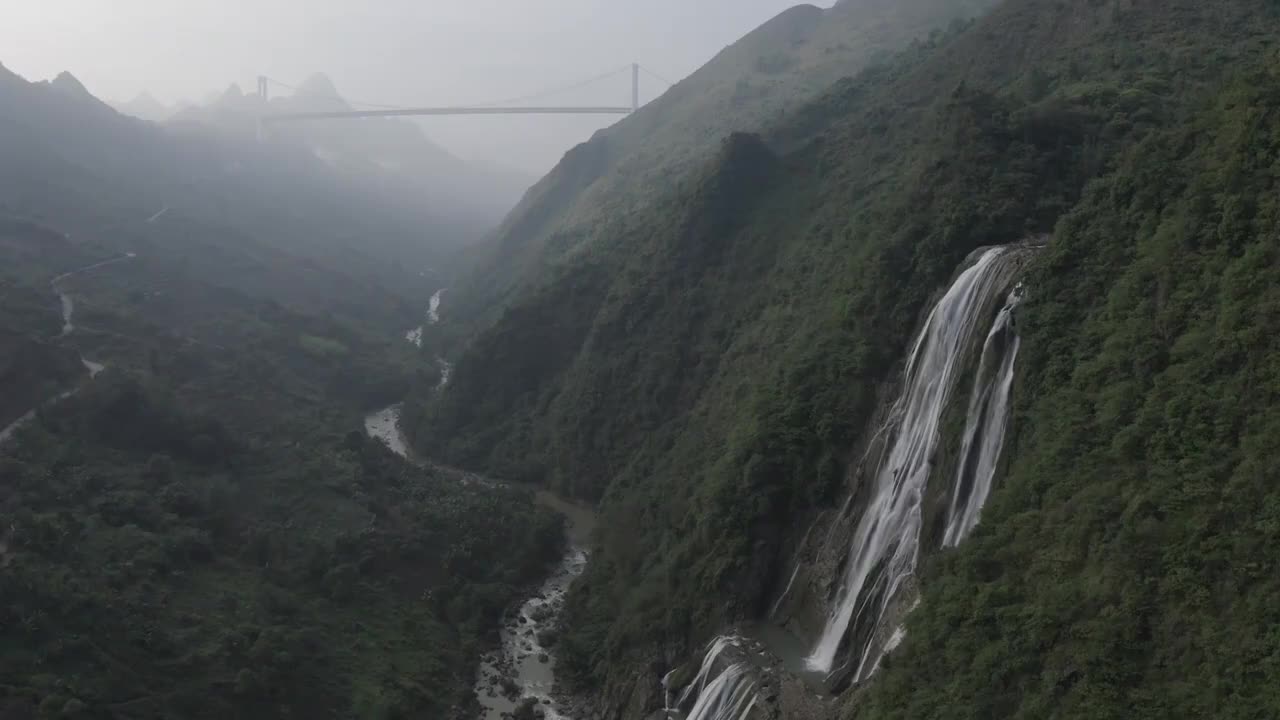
x=146, y=107
x=71, y=162
x=393, y=154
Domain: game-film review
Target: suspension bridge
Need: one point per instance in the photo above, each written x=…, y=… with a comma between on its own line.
x=513, y=106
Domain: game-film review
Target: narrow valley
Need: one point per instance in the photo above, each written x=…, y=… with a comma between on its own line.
x=521, y=671
x=867, y=360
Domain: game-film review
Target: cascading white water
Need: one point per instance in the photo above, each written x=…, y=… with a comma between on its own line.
x=729, y=695
x=433, y=316
x=433, y=310
x=714, y=650
x=666, y=693
x=787, y=591
x=886, y=540
x=415, y=336
x=985, y=425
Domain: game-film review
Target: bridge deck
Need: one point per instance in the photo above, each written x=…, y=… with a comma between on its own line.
x=283, y=117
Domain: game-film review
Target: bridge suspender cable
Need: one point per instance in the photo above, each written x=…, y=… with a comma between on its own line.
x=488, y=108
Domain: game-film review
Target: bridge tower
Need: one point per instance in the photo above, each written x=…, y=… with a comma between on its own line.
x=635, y=86
x=263, y=94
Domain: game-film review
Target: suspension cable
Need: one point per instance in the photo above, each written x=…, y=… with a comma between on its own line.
x=656, y=76
x=553, y=91
x=494, y=103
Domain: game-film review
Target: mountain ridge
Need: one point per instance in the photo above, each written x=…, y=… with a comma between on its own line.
x=394, y=154
x=791, y=58
x=710, y=387
x=191, y=331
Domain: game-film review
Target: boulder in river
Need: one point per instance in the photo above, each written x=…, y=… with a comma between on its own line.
x=528, y=709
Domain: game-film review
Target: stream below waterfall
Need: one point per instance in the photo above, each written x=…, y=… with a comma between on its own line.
x=523, y=665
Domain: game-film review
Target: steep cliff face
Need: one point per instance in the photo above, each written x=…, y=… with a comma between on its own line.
x=714, y=366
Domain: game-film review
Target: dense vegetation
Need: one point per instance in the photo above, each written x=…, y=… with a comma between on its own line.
x=765, y=76
x=203, y=530
x=693, y=327
x=157, y=565
x=1143, y=468
x=703, y=365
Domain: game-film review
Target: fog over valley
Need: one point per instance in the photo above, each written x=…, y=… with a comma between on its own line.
x=676, y=360
x=398, y=52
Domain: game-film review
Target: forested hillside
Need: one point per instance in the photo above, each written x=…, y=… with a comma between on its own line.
x=702, y=322
x=1123, y=571
x=195, y=524
x=706, y=362
x=161, y=565
x=765, y=76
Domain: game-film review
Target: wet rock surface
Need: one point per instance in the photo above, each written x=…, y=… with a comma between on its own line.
x=519, y=678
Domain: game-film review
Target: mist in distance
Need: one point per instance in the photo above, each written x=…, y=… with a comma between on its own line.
x=395, y=52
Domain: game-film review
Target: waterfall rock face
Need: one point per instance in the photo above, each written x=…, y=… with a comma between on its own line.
x=729, y=684
x=856, y=567
x=918, y=486
x=985, y=424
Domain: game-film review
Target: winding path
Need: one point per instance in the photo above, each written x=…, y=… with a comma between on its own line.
x=68, y=327
x=69, y=305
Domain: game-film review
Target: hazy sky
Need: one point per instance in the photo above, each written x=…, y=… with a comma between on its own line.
x=398, y=52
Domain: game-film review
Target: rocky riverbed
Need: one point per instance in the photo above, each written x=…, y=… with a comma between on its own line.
x=516, y=679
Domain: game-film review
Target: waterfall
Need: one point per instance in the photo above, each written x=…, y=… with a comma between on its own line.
x=714, y=650
x=729, y=695
x=666, y=693
x=885, y=546
x=985, y=424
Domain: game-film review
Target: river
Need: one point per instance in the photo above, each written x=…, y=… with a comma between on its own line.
x=433, y=316
x=523, y=666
